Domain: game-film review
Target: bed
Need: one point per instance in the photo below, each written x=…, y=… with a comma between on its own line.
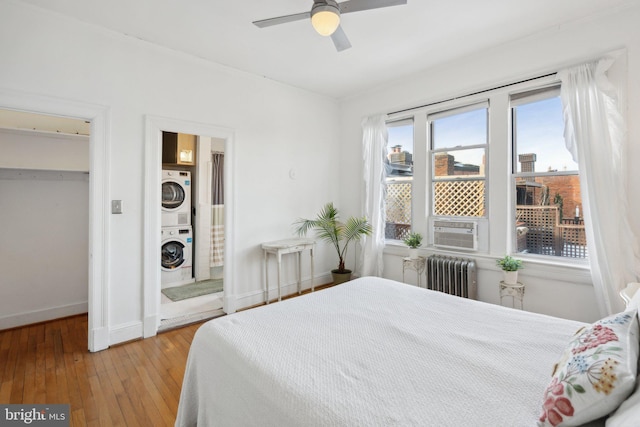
x=375, y=352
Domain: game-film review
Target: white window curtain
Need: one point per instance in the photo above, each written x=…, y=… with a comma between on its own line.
x=374, y=150
x=595, y=136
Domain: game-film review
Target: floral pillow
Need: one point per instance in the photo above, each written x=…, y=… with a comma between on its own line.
x=596, y=373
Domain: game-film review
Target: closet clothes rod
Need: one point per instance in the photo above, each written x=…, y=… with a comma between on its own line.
x=471, y=94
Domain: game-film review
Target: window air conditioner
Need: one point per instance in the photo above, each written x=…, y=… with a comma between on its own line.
x=455, y=234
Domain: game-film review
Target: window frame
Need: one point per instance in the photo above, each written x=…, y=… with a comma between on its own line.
x=402, y=121
x=432, y=152
x=496, y=232
x=519, y=98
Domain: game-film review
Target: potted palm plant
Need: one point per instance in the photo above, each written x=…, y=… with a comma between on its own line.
x=510, y=267
x=413, y=241
x=339, y=234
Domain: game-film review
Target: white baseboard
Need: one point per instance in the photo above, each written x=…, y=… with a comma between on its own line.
x=150, y=326
x=98, y=339
x=36, y=316
x=252, y=298
x=125, y=332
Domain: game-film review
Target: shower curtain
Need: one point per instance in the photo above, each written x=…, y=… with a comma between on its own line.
x=217, y=210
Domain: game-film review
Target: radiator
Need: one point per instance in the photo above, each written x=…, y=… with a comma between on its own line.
x=455, y=276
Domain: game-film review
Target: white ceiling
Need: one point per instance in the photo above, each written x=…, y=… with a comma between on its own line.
x=388, y=44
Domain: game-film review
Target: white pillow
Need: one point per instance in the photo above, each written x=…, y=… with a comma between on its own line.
x=596, y=372
x=628, y=414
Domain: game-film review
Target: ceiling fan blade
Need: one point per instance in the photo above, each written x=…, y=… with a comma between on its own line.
x=358, y=5
x=282, y=19
x=340, y=40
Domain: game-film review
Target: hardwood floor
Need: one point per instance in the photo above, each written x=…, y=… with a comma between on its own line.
x=132, y=384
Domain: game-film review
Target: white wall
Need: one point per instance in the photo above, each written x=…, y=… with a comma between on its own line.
x=276, y=129
x=43, y=249
x=553, y=290
x=24, y=149
x=44, y=184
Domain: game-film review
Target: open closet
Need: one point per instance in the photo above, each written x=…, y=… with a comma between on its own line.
x=44, y=183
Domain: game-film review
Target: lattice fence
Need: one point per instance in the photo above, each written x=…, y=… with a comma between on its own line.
x=543, y=236
x=459, y=198
x=574, y=240
x=547, y=236
x=398, y=210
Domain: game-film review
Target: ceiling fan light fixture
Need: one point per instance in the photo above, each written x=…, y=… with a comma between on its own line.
x=325, y=18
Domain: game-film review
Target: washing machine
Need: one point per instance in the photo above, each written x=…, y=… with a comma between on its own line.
x=176, y=256
x=176, y=198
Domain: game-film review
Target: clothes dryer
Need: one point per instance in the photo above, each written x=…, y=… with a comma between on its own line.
x=176, y=256
x=176, y=198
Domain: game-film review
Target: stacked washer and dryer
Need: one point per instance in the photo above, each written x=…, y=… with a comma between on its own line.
x=177, y=234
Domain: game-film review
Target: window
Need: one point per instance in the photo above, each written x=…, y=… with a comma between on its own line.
x=458, y=152
x=518, y=193
x=399, y=165
x=548, y=202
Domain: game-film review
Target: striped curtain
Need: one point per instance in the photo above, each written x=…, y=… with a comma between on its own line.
x=217, y=179
x=217, y=210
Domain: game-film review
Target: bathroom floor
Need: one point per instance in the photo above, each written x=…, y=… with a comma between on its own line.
x=174, y=314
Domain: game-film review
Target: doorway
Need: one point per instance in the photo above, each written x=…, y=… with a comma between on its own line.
x=44, y=182
x=193, y=229
x=98, y=330
x=155, y=126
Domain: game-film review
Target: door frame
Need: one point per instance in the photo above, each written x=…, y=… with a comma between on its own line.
x=99, y=116
x=154, y=126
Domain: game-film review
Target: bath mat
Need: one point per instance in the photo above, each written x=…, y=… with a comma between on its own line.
x=178, y=293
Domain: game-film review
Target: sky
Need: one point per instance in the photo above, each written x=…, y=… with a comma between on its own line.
x=401, y=135
x=539, y=130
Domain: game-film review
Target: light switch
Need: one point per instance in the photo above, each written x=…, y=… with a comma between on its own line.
x=116, y=206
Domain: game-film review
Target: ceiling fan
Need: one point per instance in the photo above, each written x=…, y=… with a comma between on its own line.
x=325, y=17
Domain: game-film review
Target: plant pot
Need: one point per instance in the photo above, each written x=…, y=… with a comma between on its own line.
x=510, y=277
x=413, y=253
x=340, y=277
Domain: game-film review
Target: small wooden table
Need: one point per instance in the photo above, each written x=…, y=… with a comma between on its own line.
x=283, y=247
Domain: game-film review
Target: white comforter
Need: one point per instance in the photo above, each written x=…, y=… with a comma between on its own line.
x=372, y=352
